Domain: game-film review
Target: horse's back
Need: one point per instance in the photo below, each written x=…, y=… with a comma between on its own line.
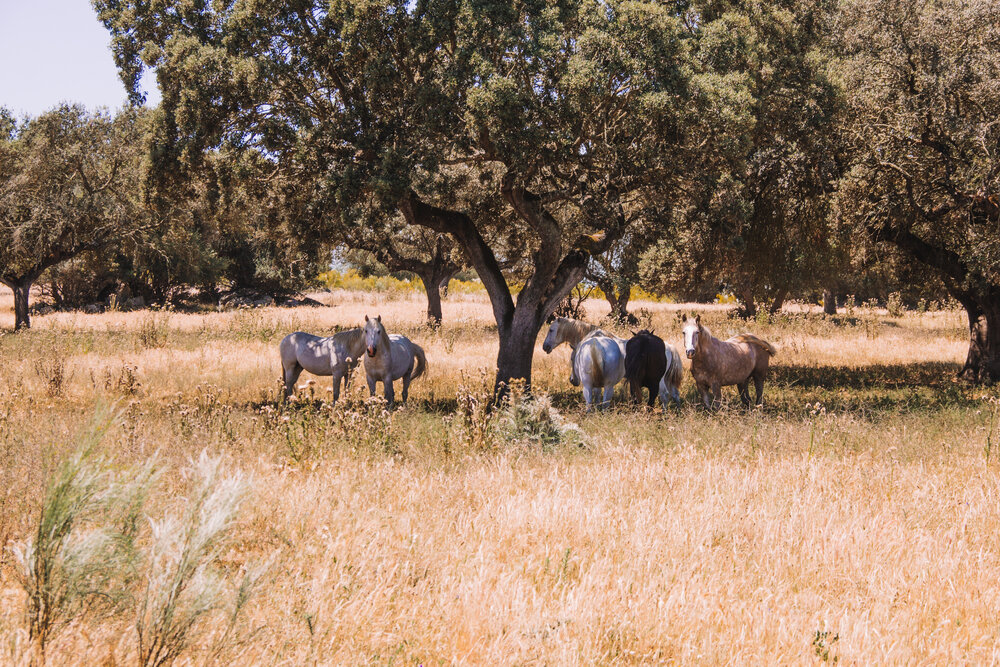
x=307, y=350
x=601, y=360
x=645, y=357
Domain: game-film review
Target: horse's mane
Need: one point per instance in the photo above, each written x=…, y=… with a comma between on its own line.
x=577, y=328
x=352, y=338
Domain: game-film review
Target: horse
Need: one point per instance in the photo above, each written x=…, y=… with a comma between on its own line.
x=654, y=365
x=716, y=363
x=390, y=358
x=597, y=361
x=337, y=355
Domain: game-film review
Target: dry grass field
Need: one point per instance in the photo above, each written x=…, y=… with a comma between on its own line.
x=854, y=518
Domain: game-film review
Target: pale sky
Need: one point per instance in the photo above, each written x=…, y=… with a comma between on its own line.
x=54, y=51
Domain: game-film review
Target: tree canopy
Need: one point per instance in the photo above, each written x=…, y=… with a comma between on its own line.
x=65, y=190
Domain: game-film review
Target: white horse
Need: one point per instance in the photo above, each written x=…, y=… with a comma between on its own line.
x=390, y=358
x=598, y=359
x=337, y=355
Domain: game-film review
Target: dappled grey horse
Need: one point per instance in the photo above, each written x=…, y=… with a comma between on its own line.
x=337, y=355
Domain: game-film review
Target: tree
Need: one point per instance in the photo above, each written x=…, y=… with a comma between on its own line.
x=67, y=186
x=429, y=256
x=920, y=79
x=572, y=114
x=756, y=222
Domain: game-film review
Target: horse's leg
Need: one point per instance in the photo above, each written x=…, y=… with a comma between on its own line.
x=291, y=375
x=744, y=388
x=706, y=396
x=758, y=385
x=675, y=393
x=716, y=395
x=406, y=385
x=390, y=393
x=371, y=384
x=588, y=396
x=336, y=386
x=608, y=393
x=652, y=395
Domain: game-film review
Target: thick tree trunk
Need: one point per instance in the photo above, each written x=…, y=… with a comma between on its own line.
x=829, y=302
x=983, y=361
x=517, y=347
x=778, y=301
x=432, y=285
x=21, y=292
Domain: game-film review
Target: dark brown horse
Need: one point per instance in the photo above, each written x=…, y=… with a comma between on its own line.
x=645, y=365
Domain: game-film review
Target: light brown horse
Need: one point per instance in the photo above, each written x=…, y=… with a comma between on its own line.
x=716, y=364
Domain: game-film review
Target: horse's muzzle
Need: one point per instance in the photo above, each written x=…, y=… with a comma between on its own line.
x=689, y=353
x=371, y=350
x=545, y=348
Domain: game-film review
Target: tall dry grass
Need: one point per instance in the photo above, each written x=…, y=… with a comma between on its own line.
x=855, y=518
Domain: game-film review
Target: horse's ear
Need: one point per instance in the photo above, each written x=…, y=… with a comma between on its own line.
x=379, y=318
x=684, y=317
x=634, y=333
x=697, y=319
x=366, y=318
x=651, y=331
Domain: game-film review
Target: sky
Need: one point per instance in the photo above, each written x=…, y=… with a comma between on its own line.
x=54, y=51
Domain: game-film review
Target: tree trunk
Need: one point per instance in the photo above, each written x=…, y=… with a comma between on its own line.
x=432, y=285
x=983, y=361
x=778, y=301
x=748, y=306
x=517, y=347
x=21, y=291
x=829, y=303
x=619, y=306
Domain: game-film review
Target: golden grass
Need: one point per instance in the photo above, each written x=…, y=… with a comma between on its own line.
x=865, y=530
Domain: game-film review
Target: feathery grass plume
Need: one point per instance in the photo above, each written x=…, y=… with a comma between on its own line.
x=81, y=560
x=183, y=588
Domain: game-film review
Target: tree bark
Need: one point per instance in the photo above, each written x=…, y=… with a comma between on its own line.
x=21, y=289
x=829, y=302
x=748, y=306
x=982, y=364
x=432, y=286
x=778, y=301
x=517, y=347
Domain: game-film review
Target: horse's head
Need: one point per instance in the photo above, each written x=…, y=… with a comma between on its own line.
x=552, y=338
x=692, y=332
x=374, y=333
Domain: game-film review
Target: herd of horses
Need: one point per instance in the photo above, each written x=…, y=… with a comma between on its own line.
x=599, y=361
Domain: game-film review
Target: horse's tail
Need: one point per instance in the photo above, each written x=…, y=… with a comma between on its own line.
x=597, y=365
x=675, y=368
x=421, y=366
x=757, y=341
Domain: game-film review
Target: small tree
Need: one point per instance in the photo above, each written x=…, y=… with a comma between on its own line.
x=68, y=185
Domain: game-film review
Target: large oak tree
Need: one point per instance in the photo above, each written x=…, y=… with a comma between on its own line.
x=574, y=115
x=921, y=79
